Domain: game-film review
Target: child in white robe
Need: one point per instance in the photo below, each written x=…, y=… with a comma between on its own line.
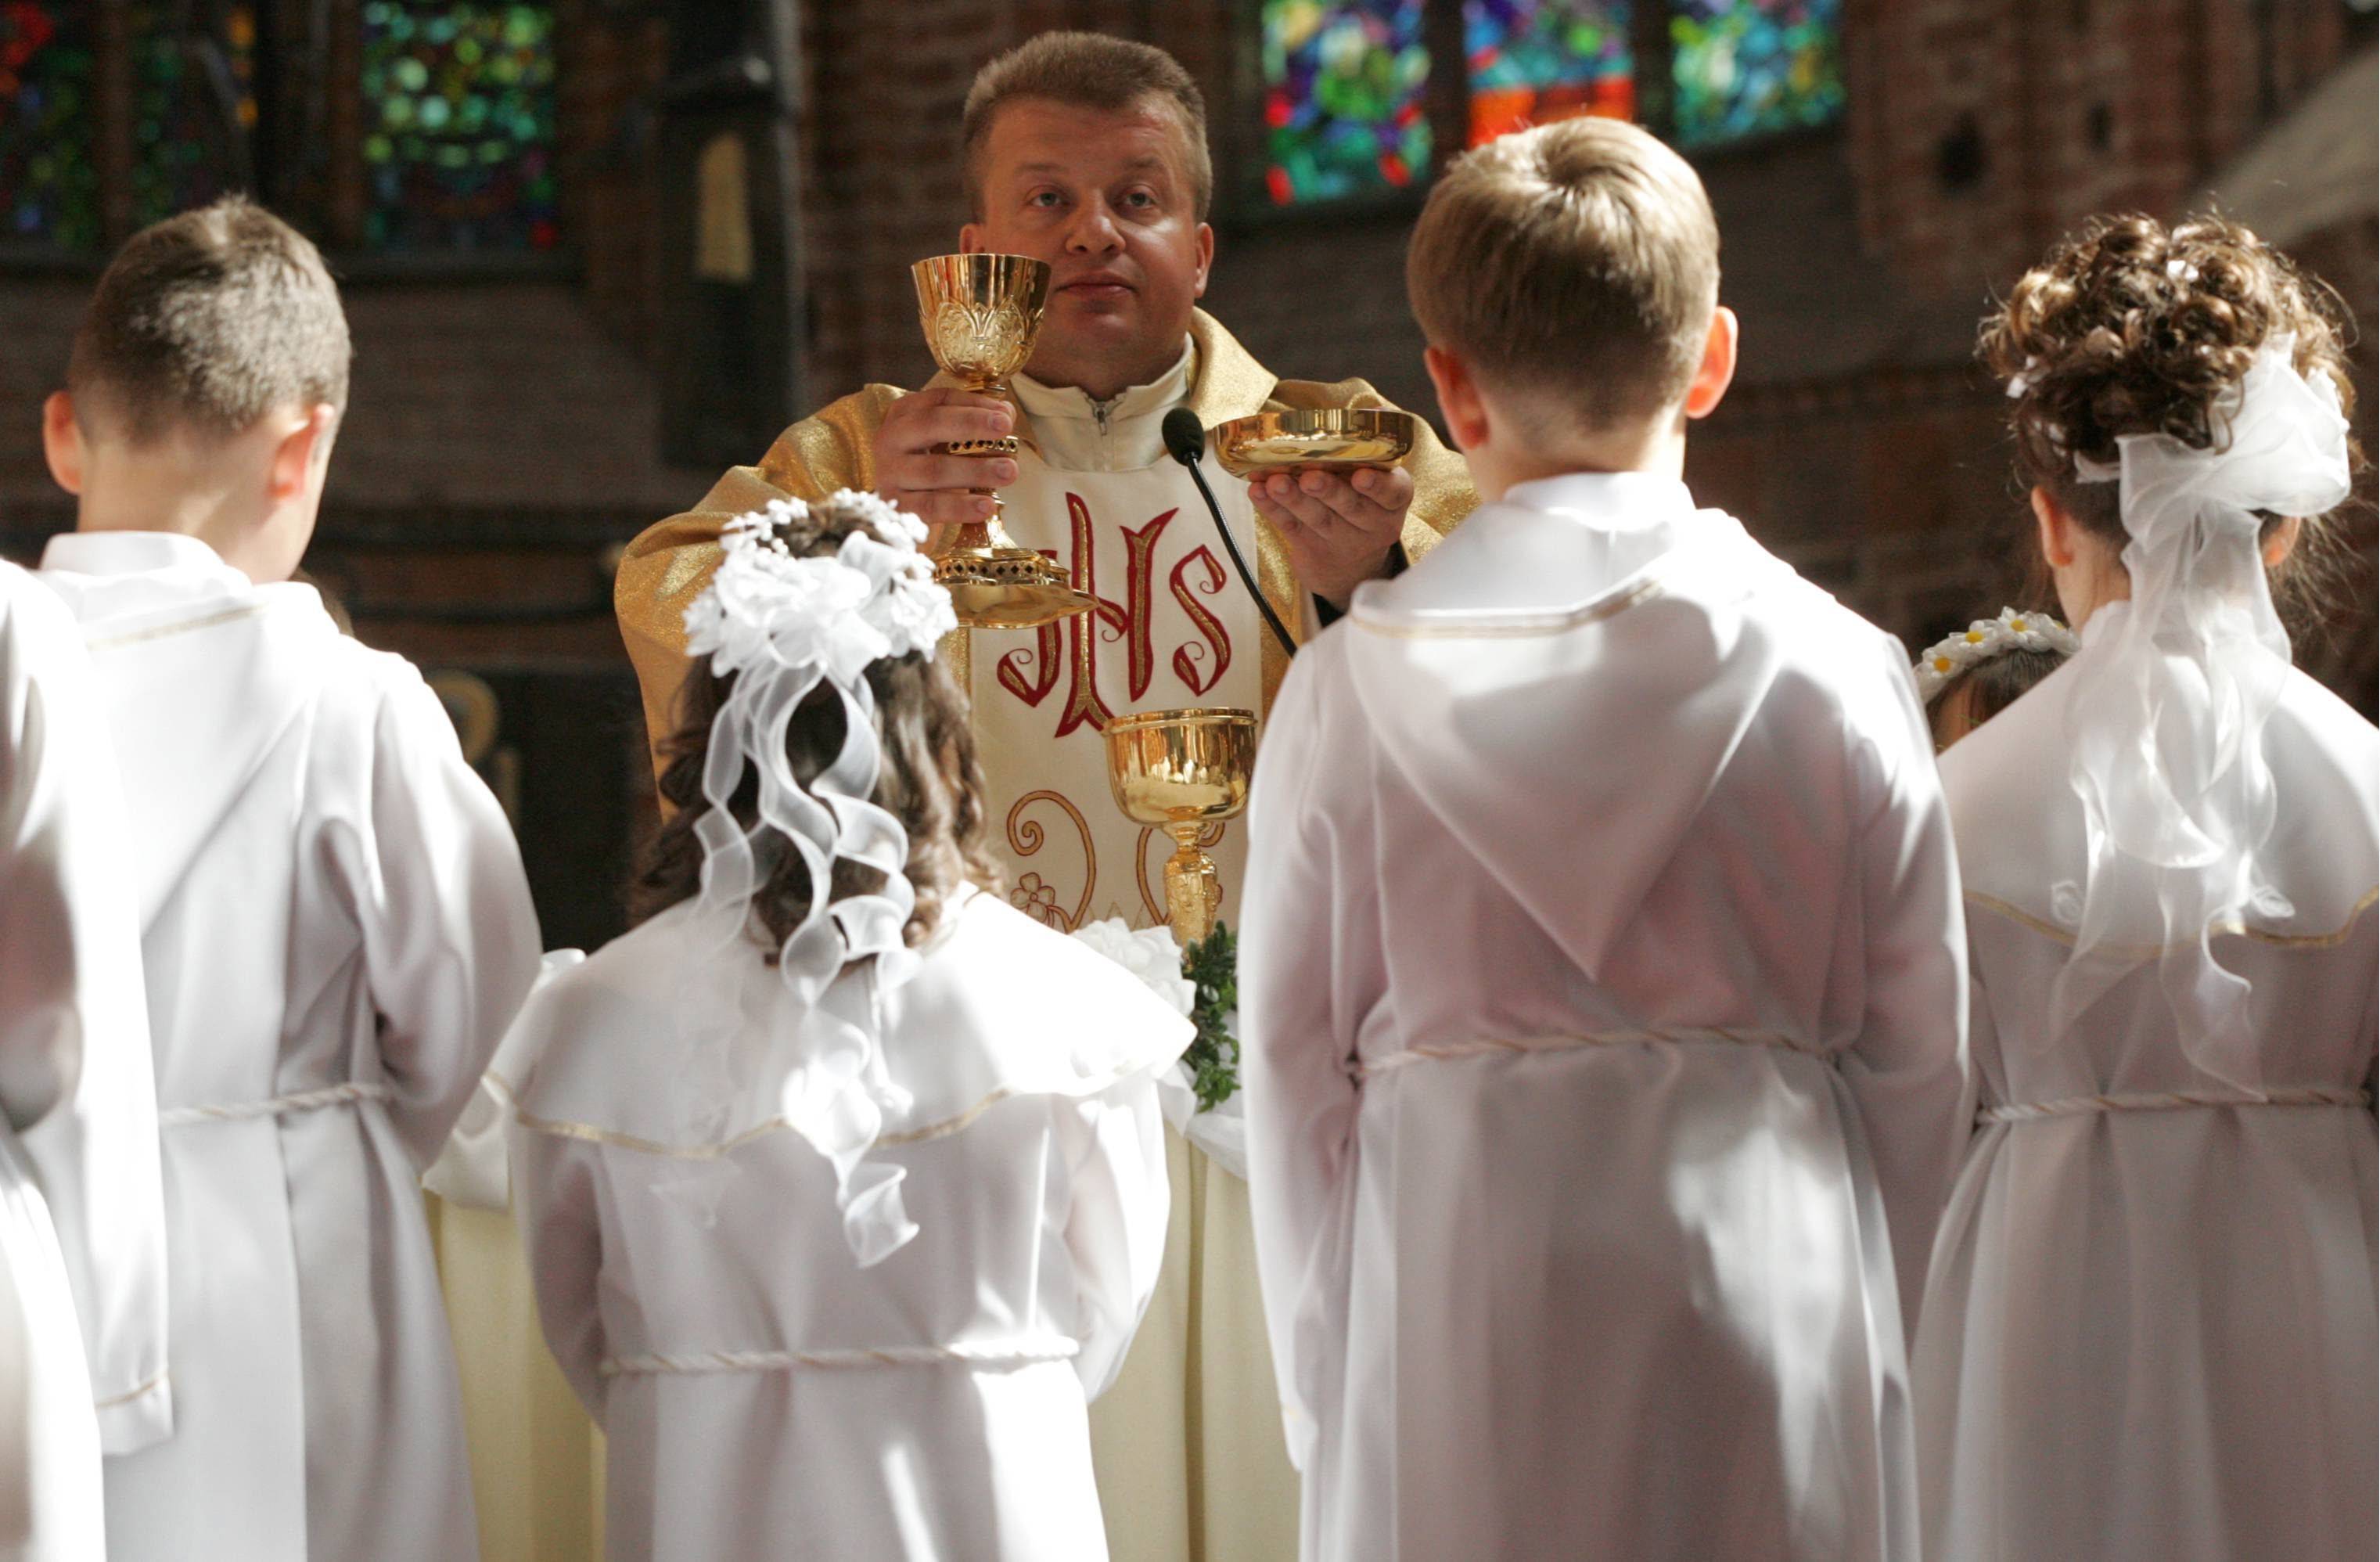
x=1600, y=971
x=2149, y=1331
x=839, y=1209
x=82, y=1214
x=335, y=928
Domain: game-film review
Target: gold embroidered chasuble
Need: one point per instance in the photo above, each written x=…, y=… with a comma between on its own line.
x=1174, y=626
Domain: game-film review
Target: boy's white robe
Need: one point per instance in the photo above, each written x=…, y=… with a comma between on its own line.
x=82, y=1219
x=2149, y=1334
x=1603, y=990
x=1035, y=1163
x=331, y=903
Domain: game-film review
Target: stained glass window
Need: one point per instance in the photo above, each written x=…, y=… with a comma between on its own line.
x=1745, y=68
x=1345, y=83
x=49, y=183
x=460, y=156
x=1536, y=61
x=193, y=104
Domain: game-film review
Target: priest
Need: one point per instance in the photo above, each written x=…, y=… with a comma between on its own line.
x=1089, y=152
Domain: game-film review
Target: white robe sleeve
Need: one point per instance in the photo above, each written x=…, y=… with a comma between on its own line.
x=1296, y=1042
x=554, y=1181
x=471, y=1170
x=1117, y=1208
x=76, y=1072
x=450, y=936
x=1907, y=1073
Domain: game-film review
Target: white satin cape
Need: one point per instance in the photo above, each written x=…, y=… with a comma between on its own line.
x=762, y=1396
x=1603, y=985
x=2149, y=1333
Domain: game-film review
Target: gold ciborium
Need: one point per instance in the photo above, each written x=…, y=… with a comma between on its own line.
x=1180, y=771
x=1327, y=439
x=980, y=313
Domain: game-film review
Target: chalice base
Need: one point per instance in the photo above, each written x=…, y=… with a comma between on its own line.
x=1193, y=894
x=994, y=584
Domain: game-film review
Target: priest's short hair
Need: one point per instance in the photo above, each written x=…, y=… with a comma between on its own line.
x=207, y=321
x=1576, y=263
x=1085, y=71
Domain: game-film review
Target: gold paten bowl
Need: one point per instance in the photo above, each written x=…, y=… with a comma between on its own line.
x=1182, y=767
x=1327, y=439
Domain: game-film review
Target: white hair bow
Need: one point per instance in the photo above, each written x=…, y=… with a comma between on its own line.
x=2169, y=699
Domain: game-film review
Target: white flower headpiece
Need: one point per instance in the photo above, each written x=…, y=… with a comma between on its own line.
x=1986, y=638
x=783, y=626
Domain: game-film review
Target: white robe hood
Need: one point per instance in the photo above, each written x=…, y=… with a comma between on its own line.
x=213, y=665
x=1681, y=671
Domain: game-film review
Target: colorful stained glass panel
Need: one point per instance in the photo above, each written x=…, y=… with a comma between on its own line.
x=49, y=183
x=1344, y=106
x=460, y=145
x=1536, y=61
x=193, y=104
x=1747, y=67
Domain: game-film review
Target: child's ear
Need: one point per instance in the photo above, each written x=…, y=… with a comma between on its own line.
x=302, y=452
x=1458, y=397
x=2058, y=549
x=2283, y=542
x=62, y=441
x=1716, y=371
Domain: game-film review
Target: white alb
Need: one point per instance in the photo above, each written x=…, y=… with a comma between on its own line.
x=336, y=930
x=1602, y=986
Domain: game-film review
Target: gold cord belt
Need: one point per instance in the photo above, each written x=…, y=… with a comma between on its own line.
x=278, y=1107
x=983, y=1357
x=2177, y=1101
x=1449, y=1051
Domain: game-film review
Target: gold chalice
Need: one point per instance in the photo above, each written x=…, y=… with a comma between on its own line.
x=1180, y=771
x=1329, y=439
x=980, y=313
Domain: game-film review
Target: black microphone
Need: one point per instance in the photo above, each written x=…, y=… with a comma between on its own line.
x=1185, y=441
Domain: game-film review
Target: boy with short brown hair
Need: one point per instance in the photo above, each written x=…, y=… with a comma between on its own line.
x=1602, y=982
x=335, y=923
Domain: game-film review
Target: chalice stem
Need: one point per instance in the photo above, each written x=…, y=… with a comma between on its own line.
x=1192, y=892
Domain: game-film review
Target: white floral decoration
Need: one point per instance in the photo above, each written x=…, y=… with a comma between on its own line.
x=1149, y=954
x=1979, y=642
x=875, y=598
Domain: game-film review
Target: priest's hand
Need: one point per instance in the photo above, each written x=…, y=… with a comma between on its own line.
x=935, y=487
x=1338, y=530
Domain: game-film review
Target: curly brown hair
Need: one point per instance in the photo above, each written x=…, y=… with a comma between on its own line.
x=929, y=780
x=2130, y=327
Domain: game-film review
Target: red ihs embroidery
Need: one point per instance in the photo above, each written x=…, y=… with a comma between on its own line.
x=1031, y=675
x=1187, y=657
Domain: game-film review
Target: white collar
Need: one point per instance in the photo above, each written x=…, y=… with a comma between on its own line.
x=1126, y=434
x=1159, y=396
x=135, y=552
x=1610, y=501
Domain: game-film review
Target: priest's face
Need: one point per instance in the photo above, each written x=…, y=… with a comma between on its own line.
x=1107, y=200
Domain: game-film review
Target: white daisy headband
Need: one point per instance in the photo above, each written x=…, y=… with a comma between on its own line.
x=1985, y=640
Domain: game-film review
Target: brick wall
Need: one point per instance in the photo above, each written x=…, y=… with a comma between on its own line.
x=1982, y=128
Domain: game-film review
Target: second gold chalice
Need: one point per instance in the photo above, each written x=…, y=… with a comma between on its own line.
x=980, y=314
x=1180, y=771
